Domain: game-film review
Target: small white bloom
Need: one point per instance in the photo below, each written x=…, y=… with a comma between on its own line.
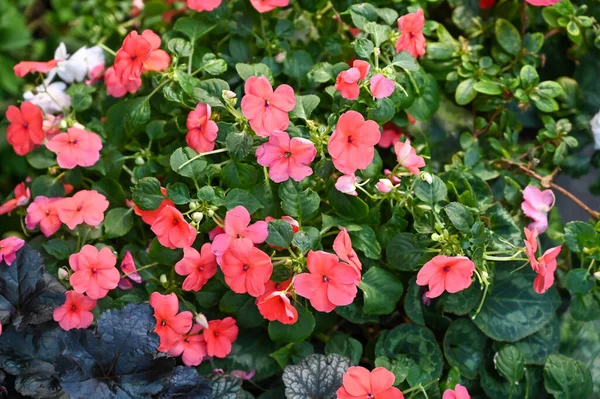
x=77, y=67
x=595, y=125
x=51, y=102
x=427, y=177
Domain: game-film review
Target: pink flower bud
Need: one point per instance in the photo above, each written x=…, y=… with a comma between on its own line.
x=385, y=186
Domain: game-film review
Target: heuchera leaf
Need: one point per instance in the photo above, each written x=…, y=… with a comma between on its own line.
x=316, y=377
x=225, y=387
x=186, y=383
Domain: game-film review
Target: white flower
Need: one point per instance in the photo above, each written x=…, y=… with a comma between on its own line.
x=595, y=125
x=77, y=67
x=51, y=102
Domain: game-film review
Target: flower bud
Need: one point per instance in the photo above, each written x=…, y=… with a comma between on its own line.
x=279, y=58
x=229, y=95
x=210, y=213
x=197, y=216
x=139, y=161
x=376, y=51
x=194, y=205
x=163, y=279
x=597, y=275
x=63, y=274
x=427, y=177
x=201, y=319
x=63, y=124
x=78, y=125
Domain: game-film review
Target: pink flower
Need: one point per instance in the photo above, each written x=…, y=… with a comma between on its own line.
x=267, y=109
x=394, y=179
x=170, y=325
x=116, y=88
x=391, y=135
x=486, y=3
x=407, y=157
x=449, y=273
x=75, y=312
x=459, y=392
x=542, y=3
x=215, y=232
x=21, y=198
x=286, y=158
x=172, y=230
x=384, y=186
x=381, y=87
x=293, y=222
x=25, y=67
x=347, y=81
x=95, y=271
x=536, y=205
x=43, y=212
x=330, y=282
x=51, y=125
x=150, y=216
x=243, y=375
x=545, y=270
x=25, y=131
x=263, y=6
x=246, y=268
x=342, y=245
x=411, y=38
x=360, y=383
x=274, y=304
x=203, y=5
x=8, y=249
x=531, y=246
x=202, y=132
x=219, y=336
x=352, y=143
x=346, y=184
x=192, y=346
x=76, y=147
x=199, y=267
x=138, y=54
x=237, y=225
x=86, y=206
x=129, y=269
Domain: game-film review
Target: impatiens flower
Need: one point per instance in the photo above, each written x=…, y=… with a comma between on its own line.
x=263, y=6
x=381, y=87
x=542, y=3
x=391, y=135
x=199, y=267
x=352, y=144
x=384, y=186
x=172, y=230
x=170, y=326
x=347, y=184
x=267, y=110
x=52, y=98
x=130, y=271
x=446, y=273
x=130, y=58
x=243, y=375
x=536, y=204
x=293, y=222
x=203, y=5
x=215, y=232
x=25, y=67
x=342, y=245
x=237, y=225
x=330, y=282
x=25, y=131
x=76, y=147
x=459, y=392
x=86, y=206
x=483, y=4
x=407, y=157
x=75, y=312
x=286, y=158
x=51, y=125
x=202, y=132
x=95, y=271
x=77, y=67
x=150, y=216
x=116, y=88
x=246, y=268
x=360, y=383
x=395, y=179
x=219, y=336
x=531, y=246
x=274, y=304
x=8, y=249
x=411, y=36
x=347, y=81
x=43, y=212
x=595, y=127
x=191, y=347
x=21, y=198
x=546, y=266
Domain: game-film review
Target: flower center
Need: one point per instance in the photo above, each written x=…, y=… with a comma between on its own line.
x=246, y=267
x=94, y=270
x=325, y=279
x=73, y=308
x=80, y=208
x=216, y=334
x=350, y=139
x=200, y=268
x=163, y=323
x=288, y=154
x=446, y=269
x=175, y=222
x=370, y=396
x=73, y=141
x=266, y=103
x=25, y=126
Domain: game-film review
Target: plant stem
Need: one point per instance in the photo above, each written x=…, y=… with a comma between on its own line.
x=200, y=156
x=108, y=50
x=140, y=269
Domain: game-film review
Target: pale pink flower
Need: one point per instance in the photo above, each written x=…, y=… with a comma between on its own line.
x=384, y=186
x=347, y=184
x=263, y=6
x=536, y=204
x=407, y=157
x=8, y=249
x=381, y=87
x=76, y=147
x=43, y=212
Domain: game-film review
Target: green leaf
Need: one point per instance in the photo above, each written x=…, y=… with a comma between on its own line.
x=406, y=61
x=365, y=240
x=363, y=47
x=298, y=331
x=510, y=364
x=237, y=174
x=427, y=103
x=549, y=89
x=486, y=87
x=537, y=347
x=179, y=46
x=348, y=206
x=379, y=32
x=178, y=193
x=193, y=27
x=529, y=77
x=465, y=92
x=508, y=36
x=210, y=91
x=185, y=162
x=431, y=193
x=404, y=252
x=465, y=347
x=118, y=222
x=163, y=255
x=138, y=111
x=580, y=235
x=545, y=104
x=47, y=186
x=237, y=197
x=383, y=111
x=586, y=307
x=60, y=249
x=413, y=305
x=41, y=158
x=381, y=291
x=567, y=378
x=243, y=307
x=399, y=366
x=306, y=239
x=280, y=233
x=305, y=105
x=344, y=345
x=296, y=203
x=292, y=353
x=247, y=70
x=147, y=194
x=460, y=216
x=579, y=281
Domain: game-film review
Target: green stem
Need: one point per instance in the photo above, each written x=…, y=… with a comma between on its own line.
x=140, y=269
x=108, y=50
x=200, y=156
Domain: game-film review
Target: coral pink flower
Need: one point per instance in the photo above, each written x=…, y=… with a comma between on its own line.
x=286, y=158
x=8, y=249
x=43, y=212
x=531, y=246
x=237, y=225
x=274, y=304
x=449, y=273
x=130, y=271
x=75, y=312
x=407, y=157
x=199, y=267
x=150, y=216
x=347, y=81
x=384, y=186
x=246, y=268
x=267, y=110
x=116, y=88
x=486, y=3
x=25, y=131
x=411, y=38
x=215, y=232
x=459, y=392
x=192, y=346
x=86, y=206
x=381, y=87
x=330, y=282
x=203, y=5
x=542, y=3
x=352, y=144
x=25, y=67
x=391, y=135
x=360, y=383
x=95, y=271
x=21, y=198
x=170, y=326
x=138, y=54
x=202, y=132
x=76, y=147
x=342, y=245
x=219, y=336
x=263, y=6
x=347, y=184
x=546, y=266
x=172, y=230
x=536, y=204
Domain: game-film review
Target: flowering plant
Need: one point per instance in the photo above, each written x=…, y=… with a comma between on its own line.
x=305, y=199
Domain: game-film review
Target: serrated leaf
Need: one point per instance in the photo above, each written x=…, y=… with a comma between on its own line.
x=316, y=377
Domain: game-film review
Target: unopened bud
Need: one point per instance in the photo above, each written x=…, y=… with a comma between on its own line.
x=163, y=279
x=63, y=124
x=279, y=58
x=597, y=275
x=133, y=180
x=139, y=161
x=79, y=126
x=484, y=275
x=228, y=94
x=376, y=51
x=63, y=274
x=201, y=319
x=210, y=213
x=197, y=216
x=427, y=177
x=435, y=237
x=194, y=205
